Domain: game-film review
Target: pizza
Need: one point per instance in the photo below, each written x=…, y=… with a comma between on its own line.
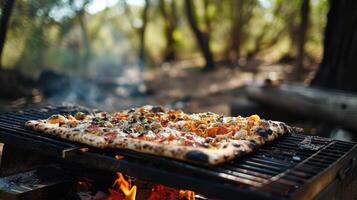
x=207, y=138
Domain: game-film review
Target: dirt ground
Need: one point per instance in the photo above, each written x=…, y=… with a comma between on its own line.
x=194, y=91
x=177, y=85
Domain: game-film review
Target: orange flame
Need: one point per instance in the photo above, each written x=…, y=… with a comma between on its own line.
x=118, y=157
x=123, y=190
x=121, y=184
x=188, y=194
x=164, y=192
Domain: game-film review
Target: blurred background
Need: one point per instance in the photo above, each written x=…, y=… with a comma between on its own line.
x=195, y=55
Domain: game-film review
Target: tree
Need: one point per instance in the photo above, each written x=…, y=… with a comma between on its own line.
x=290, y=16
x=5, y=17
x=80, y=14
x=201, y=38
x=170, y=18
x=304, y=11
x=270, y=33
x=142, y=29
x=36, y=16
x=240, y=15
x=338, y=68
x=207, y=18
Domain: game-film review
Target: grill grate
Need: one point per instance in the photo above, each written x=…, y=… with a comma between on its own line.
x=280, y=169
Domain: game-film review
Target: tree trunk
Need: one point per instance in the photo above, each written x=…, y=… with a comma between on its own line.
x=201, y=38
x=304, y=12
x=241, y=13
x=85, y=36
x=142, y=30
x=207, y=19
x=6, y=13
x=322, y=104
x=338, y=68
x=170, y=19
x=233, y=51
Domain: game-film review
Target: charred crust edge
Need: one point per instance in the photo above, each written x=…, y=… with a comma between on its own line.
x=197, y=156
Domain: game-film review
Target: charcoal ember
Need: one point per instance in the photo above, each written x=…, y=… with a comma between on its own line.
x=99, y=195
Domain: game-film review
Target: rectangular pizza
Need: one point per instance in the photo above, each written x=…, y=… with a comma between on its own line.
x=206, y=138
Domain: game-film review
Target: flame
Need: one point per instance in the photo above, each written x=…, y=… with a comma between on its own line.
x=118, y=157
x=84, y=149
x=188, y=194
x=164, y=192
x=123, y=185
x=116, y=195
x=122, y=189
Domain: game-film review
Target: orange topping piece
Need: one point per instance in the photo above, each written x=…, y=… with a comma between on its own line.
x=222, y=130
x=254, y=118
x=210, y=132
x=56, y=119
x=70, y=117
x=121, y=116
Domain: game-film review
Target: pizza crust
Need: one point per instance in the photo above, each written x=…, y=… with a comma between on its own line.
x=75, y=136
x=268, y=131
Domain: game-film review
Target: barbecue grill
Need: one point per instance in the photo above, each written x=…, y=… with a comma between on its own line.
x=283, y=169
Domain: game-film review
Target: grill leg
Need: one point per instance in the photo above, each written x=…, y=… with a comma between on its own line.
x=14, y=159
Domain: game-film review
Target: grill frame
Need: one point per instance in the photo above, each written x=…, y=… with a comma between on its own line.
x=263, y=174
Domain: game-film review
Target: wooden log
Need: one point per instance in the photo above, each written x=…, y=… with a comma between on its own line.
x=316, y=103
x=248, y=107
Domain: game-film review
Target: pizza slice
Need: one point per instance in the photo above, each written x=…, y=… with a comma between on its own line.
x=207, y=138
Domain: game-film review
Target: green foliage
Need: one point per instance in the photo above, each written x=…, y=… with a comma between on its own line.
x=63, y=35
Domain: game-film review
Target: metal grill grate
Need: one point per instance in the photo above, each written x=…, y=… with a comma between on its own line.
x=277, y=170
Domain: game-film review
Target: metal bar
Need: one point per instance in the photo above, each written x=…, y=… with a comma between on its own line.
x=326, y=176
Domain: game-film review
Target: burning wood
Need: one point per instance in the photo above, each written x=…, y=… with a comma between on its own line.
x=158, y=191
x=188, y=194
x=125, y=187
x=164, y=192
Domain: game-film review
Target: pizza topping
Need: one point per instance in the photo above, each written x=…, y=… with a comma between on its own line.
x=211, y=132
x=254, y=118
x=108, y=124
x=70, y=117
x=103, y=114
x=121, y=116
x=110, y=136
x=80, y=116
x=222, y=130
x=157, y=109
x=136, y=134
x=150, y=135
x=156, y=123
x=72, y=123
x=56, y=119
x=127, y=130
x=92, y=127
